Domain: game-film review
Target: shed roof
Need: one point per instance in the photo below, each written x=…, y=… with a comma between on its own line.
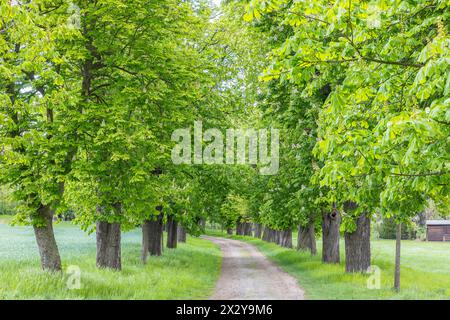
x=438, y=222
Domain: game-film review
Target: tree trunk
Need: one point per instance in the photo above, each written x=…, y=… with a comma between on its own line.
x=269, y=235
x=45, y=238
x=398, y=243
x=357, y=246
x=277, y=237
x=330, y=237
x=307, y=238
x=108, y=245
x=245, y=228
x=258, y=230
x=248, y=226
x=239, y=229
x=155, y=235
x=286, y=238
x=181, y=234
x=171, y=232
x=265, y=234
x=273, y=236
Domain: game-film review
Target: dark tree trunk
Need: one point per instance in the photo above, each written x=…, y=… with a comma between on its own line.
x=270, y=235
x=286, y=238
x=330, y=237
x=239, y=229
x=273, y=236
x=108, y=245
x=306, y=239
x=357, y=246
x=181, y=234
x=155, y=235
x=265, y=234
x=248, y=229
x=45, y=238
x=277, y=237
x=229, y=231
x=171, y=232
x=258, y=230
x=398, y=243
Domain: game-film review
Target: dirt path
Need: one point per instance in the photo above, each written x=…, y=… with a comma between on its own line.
x=247, y=274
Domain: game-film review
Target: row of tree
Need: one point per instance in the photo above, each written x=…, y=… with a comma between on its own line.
x=361, y=93
x=90, y=93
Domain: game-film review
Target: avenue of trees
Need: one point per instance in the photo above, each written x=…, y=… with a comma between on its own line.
x=91, y=92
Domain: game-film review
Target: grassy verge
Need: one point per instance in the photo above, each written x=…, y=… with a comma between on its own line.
x=189, y=272
x=425, y=270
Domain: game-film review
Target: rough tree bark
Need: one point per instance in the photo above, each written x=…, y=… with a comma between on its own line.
x=248, y=229
x=239, y=229
x=331, y=222
x=270, y=235
x=273, y=236
x=306, y=239
x=398, y=243
x=181, y=234
x=258, y=230
x=357, y=246
x=155, y=234
x=285, y=238
x=45, y=238
x=277, y=237
x=108, y=245
x=171, y=232
x=266, y=234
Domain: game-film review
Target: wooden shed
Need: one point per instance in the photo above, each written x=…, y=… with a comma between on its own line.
x=438, y=230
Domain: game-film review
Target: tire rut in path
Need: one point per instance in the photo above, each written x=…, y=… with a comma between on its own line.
x=249, y=275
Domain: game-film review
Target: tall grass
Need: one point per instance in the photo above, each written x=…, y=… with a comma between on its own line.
x=189, y=272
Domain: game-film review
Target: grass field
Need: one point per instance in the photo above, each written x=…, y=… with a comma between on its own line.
x=191, y=271
x=188, y=272
x=425, y=272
